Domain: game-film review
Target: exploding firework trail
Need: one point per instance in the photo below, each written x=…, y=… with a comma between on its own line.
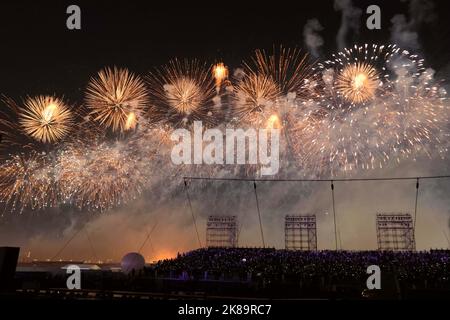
x=371, y=104
x=220, y=73
x=102, y=173
x=32, y=132
x=100, y=176
x=9, y=128
x=414, y=120
x=268, y=82
x=117, y=99
x=88, y=172
x=182, y=92
x=46, y=119
x=255, y=97
x=28, y=181
x=358, y=82
x=39, y=123
x=269, y=92
x=364, y=107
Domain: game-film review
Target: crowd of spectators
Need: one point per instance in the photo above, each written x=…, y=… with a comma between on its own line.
x=431, y=268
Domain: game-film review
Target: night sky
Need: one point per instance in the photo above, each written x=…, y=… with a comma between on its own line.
x=39, y=55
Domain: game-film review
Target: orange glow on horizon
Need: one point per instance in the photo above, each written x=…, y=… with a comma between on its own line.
x=161, y=255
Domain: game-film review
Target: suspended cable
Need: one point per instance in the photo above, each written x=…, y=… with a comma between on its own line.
x=334, y=214
x=415, y=205
x=92, y=246
x=446, y=237
x=259, y=215
x=67, y=243
x=254, y=180
x=317, y=180
x=192, y=212
x=148, y=236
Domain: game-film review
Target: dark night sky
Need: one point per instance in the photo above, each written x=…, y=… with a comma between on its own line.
x=40, y=56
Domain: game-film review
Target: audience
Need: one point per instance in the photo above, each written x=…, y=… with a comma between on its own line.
x=431, y=268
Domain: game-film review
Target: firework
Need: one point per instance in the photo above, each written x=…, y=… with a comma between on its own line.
x=414, y=119
x=131, y=122
x=273, y=122
x=100, y=176
x=367, y=106
x=255, y=98
x=326, y=143
x=38, y=124
x=28, y=181
x=182, y=92
x=355, y=77
x=220, y=73
x=116, y=99
x=46, y=119
x=358, y=82
x=372, y=105
x=9, y=128
x=268, y=81
x=287, y=67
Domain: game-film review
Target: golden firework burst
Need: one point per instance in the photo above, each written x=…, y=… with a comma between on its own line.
x=116, y=98
x=184, y=95
x=269, y=78
x=358, y=82
x=255, y=93
x=288, y=67
x=182, y=92
x=46, y=119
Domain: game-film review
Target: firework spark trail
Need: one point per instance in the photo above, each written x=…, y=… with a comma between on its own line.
x=288, y=67
x=46, y=119
x=255, y=98
x=372, y=104
x=117, y=99
x=33, y=131
x=220, y=73
x=182, y=92
x=27, y=181
x=269, y=92
x=368, y=106
x=39, y=124
x=358, y=75
x=269, y=80
x=100, y=176
x=414, y=120
x=9, y=128
x=358, y=82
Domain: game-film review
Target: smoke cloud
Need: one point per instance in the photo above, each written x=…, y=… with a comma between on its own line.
x=350, y=22
x=404, y=32
x=312, y=38
x=109, y=236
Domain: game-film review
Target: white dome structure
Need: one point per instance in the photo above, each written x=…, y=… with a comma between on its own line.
x=132, y=261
